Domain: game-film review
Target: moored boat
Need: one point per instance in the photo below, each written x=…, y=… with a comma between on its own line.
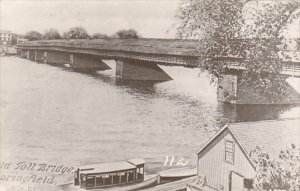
x=121, y=176
x=177, y=174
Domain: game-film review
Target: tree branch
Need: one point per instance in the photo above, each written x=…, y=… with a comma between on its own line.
x=286, y=19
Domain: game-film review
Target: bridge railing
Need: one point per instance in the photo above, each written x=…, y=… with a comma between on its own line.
x=291, y=69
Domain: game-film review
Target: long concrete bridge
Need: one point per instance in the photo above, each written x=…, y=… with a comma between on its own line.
x=138, y=59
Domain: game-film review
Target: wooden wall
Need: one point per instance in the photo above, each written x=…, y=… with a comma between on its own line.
x=211, y=162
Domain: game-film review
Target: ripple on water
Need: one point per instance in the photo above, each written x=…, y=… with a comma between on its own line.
x=54, y=114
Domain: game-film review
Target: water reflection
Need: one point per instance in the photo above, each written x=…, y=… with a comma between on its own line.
x=229, y=113
x=138, y=86
x=243, y=113
x=94, y=118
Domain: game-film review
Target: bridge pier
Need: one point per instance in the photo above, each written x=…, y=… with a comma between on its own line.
x=23, y=53
x=140, y=70
x=82, y=61
x=18, y=51
x=230, y=90
x=39, y=55
x=30, y=54
x=56, y=57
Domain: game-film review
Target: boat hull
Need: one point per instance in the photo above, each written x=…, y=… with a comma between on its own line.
x=150, y=180
x=177, y=174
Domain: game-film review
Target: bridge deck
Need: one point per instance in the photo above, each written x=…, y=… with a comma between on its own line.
x=163, y=51
x=148, y=46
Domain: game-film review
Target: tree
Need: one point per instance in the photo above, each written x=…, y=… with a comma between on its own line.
x=33, y=35
x=99, y=36
x=224, y=32
x=127, y=34
x=51, y=34
x=280, y=173
x=298, y=43
x=76, y=33
x=15, y=38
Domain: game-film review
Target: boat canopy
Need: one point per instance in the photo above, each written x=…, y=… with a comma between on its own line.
x=106, y=167
x=109, y=174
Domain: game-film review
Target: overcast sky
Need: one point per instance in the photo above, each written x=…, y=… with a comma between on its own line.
x=151, y=18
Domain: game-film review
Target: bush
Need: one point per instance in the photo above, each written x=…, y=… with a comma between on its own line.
x=99, y=36
x=51, y=34
x=282, y=173
x=33, y=35
x=127, y=34
x=76, y=33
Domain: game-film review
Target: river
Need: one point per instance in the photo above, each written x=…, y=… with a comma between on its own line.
x=55, y=115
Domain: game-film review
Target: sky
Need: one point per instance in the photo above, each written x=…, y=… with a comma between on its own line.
x=151, y=18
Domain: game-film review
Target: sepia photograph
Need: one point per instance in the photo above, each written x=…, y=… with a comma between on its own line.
x=149, y=95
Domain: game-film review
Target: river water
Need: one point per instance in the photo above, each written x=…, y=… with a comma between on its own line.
x=57, y=116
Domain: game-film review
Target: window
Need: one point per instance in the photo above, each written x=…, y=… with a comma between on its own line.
x=229, y=152
x=248, y=183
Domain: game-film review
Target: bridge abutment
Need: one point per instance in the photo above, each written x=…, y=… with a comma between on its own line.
x=82, y=61
x=140, y=70
x=230, y=90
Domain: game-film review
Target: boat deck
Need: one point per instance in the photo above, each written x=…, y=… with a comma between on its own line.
x=173, y=186
x=178, y=172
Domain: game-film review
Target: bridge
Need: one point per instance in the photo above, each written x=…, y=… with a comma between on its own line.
x=138, y=59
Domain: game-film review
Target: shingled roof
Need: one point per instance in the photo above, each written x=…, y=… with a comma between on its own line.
x=271, y=135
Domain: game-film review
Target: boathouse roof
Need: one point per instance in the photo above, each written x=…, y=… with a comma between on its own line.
x=271, y=136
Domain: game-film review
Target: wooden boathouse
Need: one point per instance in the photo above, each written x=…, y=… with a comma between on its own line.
x=224, y=162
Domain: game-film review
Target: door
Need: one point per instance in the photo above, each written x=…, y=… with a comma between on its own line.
x=237, y=182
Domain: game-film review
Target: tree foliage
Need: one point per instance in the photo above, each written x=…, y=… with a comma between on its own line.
x=33, y=35
x=51, y=34
x=76, y=33
x=297, y=43
x=127, y=34
x=225, y=32
x=15, y=37
x=99, y=36
x=280, y=173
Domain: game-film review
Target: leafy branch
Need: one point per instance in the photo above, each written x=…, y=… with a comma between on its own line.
x=225, y=36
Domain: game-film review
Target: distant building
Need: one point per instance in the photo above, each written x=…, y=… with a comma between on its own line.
x=5, y=37
x=224, y=162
